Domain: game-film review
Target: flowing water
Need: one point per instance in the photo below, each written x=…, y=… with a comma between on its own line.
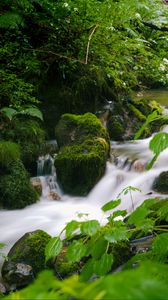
x=161, y=96
x=127, y=169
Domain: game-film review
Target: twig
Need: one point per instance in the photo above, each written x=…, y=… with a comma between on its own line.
x=88, y=44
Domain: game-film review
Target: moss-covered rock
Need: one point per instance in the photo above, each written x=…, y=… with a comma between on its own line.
x=9, y=152
x=74, y=129
x=161, y=183
x=81, y=160
x=28, y=250
x=29, y=135
x=16, y=190
x=80, y=166
x=116, y=127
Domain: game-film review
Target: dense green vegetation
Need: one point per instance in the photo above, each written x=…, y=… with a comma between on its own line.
x=75, y=55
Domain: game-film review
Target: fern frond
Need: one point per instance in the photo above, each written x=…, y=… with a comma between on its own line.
x=11, y=20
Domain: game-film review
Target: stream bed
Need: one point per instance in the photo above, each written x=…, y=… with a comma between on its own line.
x=127, y=169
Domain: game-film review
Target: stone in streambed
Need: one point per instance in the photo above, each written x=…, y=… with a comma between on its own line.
x=160, y=184
x=25, y=259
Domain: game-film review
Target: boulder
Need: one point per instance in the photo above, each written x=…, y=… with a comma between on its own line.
x=81, y=160
x=75, y=129
x=25, y=259
x=16, y=190
x=160, y=184
x=36, y=183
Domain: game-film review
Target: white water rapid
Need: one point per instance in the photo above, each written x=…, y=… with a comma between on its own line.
x=51, y=215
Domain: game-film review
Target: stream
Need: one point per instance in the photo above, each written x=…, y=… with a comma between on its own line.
x=51, y=215
x=126, y=168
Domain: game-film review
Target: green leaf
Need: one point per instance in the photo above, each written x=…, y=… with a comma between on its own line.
x=111, y=204
x=87, y=270
x=71, y=227
x=152, y=117
x=2, y=245
x=140, y=217
x=98, y=248
x=9, y=112
x=33, y=112
x=159, y=142
x=90, y=227
x=53, y=248
x=119, y=213
x=103, y=265
x=160, y=247
x=116, y=234
x=76, y=251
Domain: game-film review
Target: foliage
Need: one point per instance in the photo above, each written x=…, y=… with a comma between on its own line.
x=159, y=141
x=31, y=111
x=140, y=283
x=94, y=52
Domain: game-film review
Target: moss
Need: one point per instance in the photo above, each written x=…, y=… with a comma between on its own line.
x=73, y=129
x=116, y=128
x=16, y=190
x=79, y=167
x=63, y=267
x=121, y=253
x=29, y=135
x=137, y=113
x=9, y=152
x=30, y=250
x=161, y=183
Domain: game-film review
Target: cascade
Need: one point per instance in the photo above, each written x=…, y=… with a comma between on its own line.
x=127, y=169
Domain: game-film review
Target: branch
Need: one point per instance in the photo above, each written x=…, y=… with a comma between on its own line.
x=153, y=26
x=88, y=44
x=56, y=54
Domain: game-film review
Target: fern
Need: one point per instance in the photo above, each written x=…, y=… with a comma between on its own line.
x=11, y=20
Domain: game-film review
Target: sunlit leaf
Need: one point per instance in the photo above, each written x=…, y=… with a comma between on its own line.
x=53, y=248
x=76, y=251
x=116, y=234
x=90, y=227
x=71, y=227
x=103, y=265
x=111, y=204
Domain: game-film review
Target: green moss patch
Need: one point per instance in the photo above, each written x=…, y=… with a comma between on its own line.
x=72, y=129
x=16, y=190
x=79, y=167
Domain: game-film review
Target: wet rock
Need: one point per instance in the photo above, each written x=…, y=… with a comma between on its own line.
x=161, y=183
x=17, y=275
x=26, y=258
x=3, y=289
x=139, y=165
x=36, y=182
x=54, y=196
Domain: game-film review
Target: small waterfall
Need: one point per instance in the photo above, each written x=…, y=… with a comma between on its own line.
x=45, y=165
